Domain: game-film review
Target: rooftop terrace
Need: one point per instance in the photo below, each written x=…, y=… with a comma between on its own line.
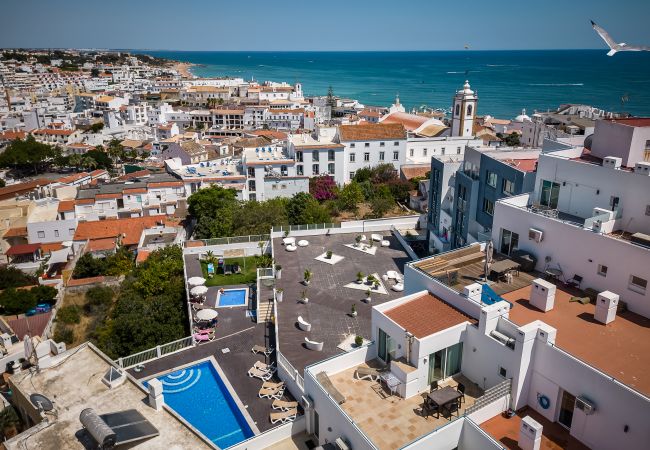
x=619, y=348
x=330, y=302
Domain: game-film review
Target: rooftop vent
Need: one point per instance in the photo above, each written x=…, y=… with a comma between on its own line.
x=642, y=167
x=113, y=377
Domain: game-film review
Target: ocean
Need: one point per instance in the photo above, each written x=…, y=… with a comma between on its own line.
x=506, y=81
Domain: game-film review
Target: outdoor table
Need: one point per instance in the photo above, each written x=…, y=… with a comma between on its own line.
x=503, y=266
x=553, y=273
x=391, y=382
x=444, y=396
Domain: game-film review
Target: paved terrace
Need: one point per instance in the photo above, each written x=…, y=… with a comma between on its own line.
x=391, y=421
x=329, y=301
x=620, y=348
x=237, y=333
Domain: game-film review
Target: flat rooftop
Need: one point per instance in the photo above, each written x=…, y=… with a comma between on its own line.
x=86, y=366
x=620, y=348
x=330, y=302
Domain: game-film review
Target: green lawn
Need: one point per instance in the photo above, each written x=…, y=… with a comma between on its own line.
x=248, y=273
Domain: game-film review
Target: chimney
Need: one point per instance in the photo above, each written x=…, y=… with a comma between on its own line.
x=606, y=305
x=156, y=399
x=542, y=294
x=530, y=434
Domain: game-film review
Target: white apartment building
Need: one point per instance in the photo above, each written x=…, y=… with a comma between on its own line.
x=628, y=139
x=285, y=119
x=371, y=145
x=419, y=150
x=46, y=225
x=318, y=153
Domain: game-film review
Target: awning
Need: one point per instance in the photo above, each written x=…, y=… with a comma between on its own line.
x=23, y=249
x=59, y=256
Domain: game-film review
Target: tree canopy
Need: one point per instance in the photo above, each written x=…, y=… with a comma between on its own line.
x=28, y=155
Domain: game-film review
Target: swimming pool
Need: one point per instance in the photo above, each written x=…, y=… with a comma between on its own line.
x=199, y=395
x=233, y=297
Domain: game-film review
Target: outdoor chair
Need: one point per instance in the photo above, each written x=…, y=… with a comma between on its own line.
x=367, y=373
x=262, y=350
x=272, y=385
x=434, y=385
x=265, y=367
x=461, y=388
x=236, y=268
x=261, y=374
x=428, y=407
x=284, y=405
x=283, y=417
x=227, y=269
x=452, y=407
x=575, y=281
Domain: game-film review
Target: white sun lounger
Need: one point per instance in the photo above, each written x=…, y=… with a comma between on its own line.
x=254, y=372
x=263, y=350
x=284, y=417
x=275, y=393
x=284, y=405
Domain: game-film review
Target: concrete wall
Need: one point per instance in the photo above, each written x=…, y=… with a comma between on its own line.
x=579, y=251
x=472, y=437
x=483, y=356
x=64, y=228
x=374, y=149
x=272, y=436
x=447, y=437
x=616, y=405
x=353, y=226
x=618, y=139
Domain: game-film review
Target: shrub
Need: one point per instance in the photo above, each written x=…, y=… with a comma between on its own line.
x=44, y=294
x=64, y=334
x=98, y=298
x=358, y=340
x=12, y=277
x=17, y=301
x=69, y=314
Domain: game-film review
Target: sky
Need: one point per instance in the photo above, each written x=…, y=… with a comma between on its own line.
x=337, y=25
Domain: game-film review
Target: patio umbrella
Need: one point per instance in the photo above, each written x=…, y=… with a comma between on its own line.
x=206, y=314
x=198, y=290
x=489, y=250
x=196, y=281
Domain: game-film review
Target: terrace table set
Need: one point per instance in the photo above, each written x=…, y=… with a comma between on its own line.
x=443, y=399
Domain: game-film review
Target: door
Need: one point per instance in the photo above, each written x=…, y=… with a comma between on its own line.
x=453, y=359
x=567, y=404
x=316, y=423
x=550, y=194
x=445, y=363
x=386, y=350
x=509, y=241
x=436, y=369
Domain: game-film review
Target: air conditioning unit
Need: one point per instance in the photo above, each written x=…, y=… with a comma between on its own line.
x=341, y=444
x=612, y=162
x=642, y=167
x=585, y=405
x=535, y=235
x=505, y=340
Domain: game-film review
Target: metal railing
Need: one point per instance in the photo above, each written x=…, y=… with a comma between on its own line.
x=288, y=367
x=490, y=395
x=232, y=240
x=154, y=353
x=311, y=226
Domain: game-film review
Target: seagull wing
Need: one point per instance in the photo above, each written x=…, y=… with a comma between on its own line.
x=605, y=35
x=636, y=48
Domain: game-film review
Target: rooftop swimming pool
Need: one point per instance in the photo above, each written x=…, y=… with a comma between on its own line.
x=233, y=297
x=199, y=395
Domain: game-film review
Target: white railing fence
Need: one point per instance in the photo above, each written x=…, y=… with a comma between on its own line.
x=157, y=352
x=232, y=240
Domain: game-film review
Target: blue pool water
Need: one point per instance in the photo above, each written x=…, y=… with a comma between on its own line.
x=232, y=297
x=198, y=394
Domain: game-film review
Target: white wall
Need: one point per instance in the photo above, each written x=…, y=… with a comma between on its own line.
x=446, y=437
x=483, y=356
x=616, y=405
x=472, y=437
x=374, y=149
x=272, y=436
x=49, y=230
x=579, y=251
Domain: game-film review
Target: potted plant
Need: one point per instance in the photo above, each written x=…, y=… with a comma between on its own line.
x=353, y=310
x=286, y=233
x=308, y=274
x=368, y=293
x=358, y=240
x=278, y=271
x=370, y=279
x=303, y=297
x=358, y=340
x=360, y=277
x=279, y=294
x=328, y=255
x=375, y=284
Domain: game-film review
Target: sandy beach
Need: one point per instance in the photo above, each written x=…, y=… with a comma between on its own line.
x=183, y=69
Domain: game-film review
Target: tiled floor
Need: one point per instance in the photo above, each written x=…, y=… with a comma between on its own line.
x=296, y=442
x=390, y=421
x=554, y=437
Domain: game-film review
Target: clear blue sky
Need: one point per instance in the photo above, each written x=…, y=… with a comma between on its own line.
x=320, y=25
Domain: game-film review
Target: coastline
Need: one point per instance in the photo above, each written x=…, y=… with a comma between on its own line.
x=184, y=69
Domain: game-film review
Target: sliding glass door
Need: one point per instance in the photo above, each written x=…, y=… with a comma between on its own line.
x=445, y=363
x=386, y=349
x=550, y=194
x=509, y=241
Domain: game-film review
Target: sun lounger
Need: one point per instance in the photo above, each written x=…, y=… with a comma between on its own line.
x=272, y=385
x=276, y=393
x=253, y=372
x=367, y=373
x=263, y=350
x=326, y=383
x=227, y=269
x=283, y=417
x=265, y=367
x=204, y=337
x=284, y=405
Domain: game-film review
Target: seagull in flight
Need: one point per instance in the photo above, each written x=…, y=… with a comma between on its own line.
x=613, y=46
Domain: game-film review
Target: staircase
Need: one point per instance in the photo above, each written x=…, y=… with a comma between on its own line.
x=264, y=311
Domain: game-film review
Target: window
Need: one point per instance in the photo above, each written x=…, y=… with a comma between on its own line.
x=314, y=169
x=442, y=151
x=352, y=145
x=353, y=157
x=351, y=175
x=300, y=170
x=503, y=372
x=509, y=241
x=283, y=170
x=395, y=156
x=71, y=231
x=458, y=150
x=314, y=156
x=299, y=156
x=274, y=187
x=382, y=156
x=602, y=270
x=424, y=152
x=395, y=144
x=646, y=152
x=550, y=194
x=637, y=284
x=411, y=152
x=382, y=144
x=330, y=155
x=491, y=179
x=56, y=233
x=367, y=144
x=457, y=109
x=330, y=168
x=508, y=187
x=488, y=206
x=366, y=156
x=251, y=171
x=41, y=234
x=469, y=110
x=283, y=186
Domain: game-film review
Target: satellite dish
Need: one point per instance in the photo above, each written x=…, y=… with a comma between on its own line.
x=41, y=402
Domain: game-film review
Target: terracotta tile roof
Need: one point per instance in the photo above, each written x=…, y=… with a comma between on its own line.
x=426, y=315
x=135, y=191
x=410, y=121
x=130, y=228
x=143, y=254
x=369, y=113
x=98, y=172
x=194, y=244
x=372, y=132
x=50, y=131
x=415, y=171
x=72, y=178
x=525, y=165
x=12, y=135
x=138, y=174
x=85, y=201
x=22, y=249
x=33, y=324
x=270, y=133
x=15, y=232
x=97, y=245
x=20, y=188
x=107, y=196
x=66, y=205
x=163, y=184
x=51, y=247
x=634, y=121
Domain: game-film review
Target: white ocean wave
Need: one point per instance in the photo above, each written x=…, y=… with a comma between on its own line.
x=556, y=84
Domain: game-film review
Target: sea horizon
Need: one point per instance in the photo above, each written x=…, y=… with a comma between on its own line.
x=507, y=81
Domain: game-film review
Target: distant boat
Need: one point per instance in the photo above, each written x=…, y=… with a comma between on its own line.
x=466, y=46
x=615, y=47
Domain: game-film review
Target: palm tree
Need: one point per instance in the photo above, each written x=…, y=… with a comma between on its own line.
x=75, y=160
x=88, y=162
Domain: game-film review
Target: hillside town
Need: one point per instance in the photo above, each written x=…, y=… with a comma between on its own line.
x=192, y=262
